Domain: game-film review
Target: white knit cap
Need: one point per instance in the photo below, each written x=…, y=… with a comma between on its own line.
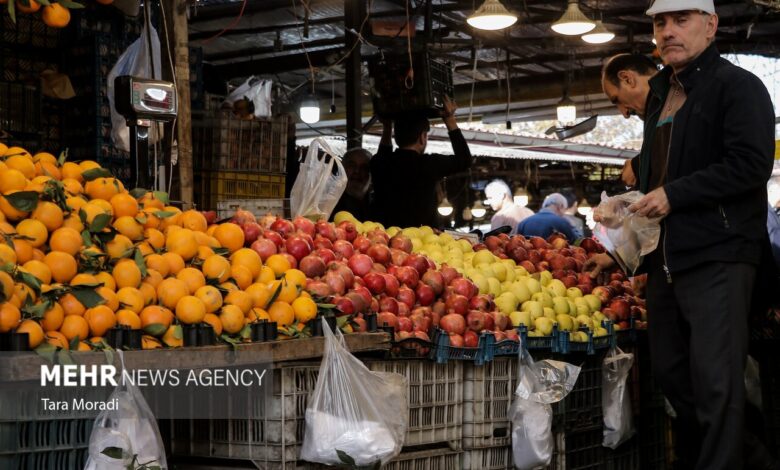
x=666, y=6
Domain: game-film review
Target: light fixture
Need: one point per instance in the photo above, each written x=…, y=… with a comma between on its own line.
x=466, y=214
x=492, y=16
x=478, y=210
x=521, y=197
x=584, y=208
x=599, y=35
x=573, y=22
x=566, y=110
x=445, y=208
x=310, y=109
x=655, y=43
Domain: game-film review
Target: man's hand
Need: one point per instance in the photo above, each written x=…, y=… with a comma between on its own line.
x=598, y=263
x=654, y=204
x=628, y=177
x=448, y=113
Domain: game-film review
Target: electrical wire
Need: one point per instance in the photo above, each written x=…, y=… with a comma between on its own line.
x=303, y=45
x=174, y=162
x=284, y=90
x=228, y=27
x=409, y=79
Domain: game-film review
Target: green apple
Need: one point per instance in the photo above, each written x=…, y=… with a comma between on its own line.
x=560, y=305
x=586, y=321
x=573, y=292
x=557, y=288
x=499, y=271
x=521, y=318
x=597, y=317
x=506, y=302
x=565, y=322
x=534, y=308
x=545, y=277
x=533, y=285
x=594, y=303
x=494, y=287
x=544, y=326
x=483, y=257
x=521, y=291
x=544, y=298
x=550, y=313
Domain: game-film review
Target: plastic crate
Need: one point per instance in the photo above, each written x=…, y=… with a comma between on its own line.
x=435, y=400
x=581, y=409
x=625, y=457
x=258, y=207
x=442, y=352
x=593, y=344
x=212, y=187
x=488, y=392
x=488, y=458
x=578, y=450
x=57, y=460
x=20, y=108
x=434, y=459
x=29, y=30
x=29, y=436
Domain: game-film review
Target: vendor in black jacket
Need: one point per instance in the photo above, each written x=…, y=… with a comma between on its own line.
x=706, y=157
x=405, y=180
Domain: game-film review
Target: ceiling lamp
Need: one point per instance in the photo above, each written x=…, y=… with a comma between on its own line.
x=492, y=16
x=567, y=110
x=599, y=35
x=521, y=197
x=310, y=109
x=445, y=208
x=478, y=210
x=573, y=22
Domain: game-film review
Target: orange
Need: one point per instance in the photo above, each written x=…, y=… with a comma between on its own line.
x=182, y=242
x=34, y=230
x=153, y=278
x=151, y=202
x=216, y=267
x=124, y=205
x=57, y=339
x=126, y=274
x=55, y=15
x=232, y=319
x=155, y=314
x=150, y=342
x=67, y=240
x=257, y=314
x=11, y=213
x=170, y=291
x=228, y=286
x=206, y=240
x=48, y=169
x=34, y=330
x=7, y=284
x=102, y=188
x=73, y=221
x=215, y=323
x=75, y=326
x=193, y=278
x=63, y=265
x=173, y=337
x=158, y=263
x=38, y=255
x=129, y=227
x=295, y=277
x=130, y=298
x=242, y=276
x=7, y=254
x=172, y=220
x=74, y=188
x=100, y=319
x=71, y=170
x=24, y=292
x=10, y=151
x=230, y=236
x=128, y=318
x=29, y=6
x=305, y=309
x=278, y=263
x=240, y=299
x=15, y=301
x=194, y=221
x=282, y=313
x=92, y=209
x=37, y=184
x=155, y=238
x=106, y=278
x=83, y=278
x=86, y=165
x=5, y=227
x=39, y=270
x=23, y=164
x=211, y=298
x=119, y=247
x=110, y=297
x=71, y=305
x=152, y=221
x=12, y=180
x=190, y=310
x=248, y=258
x=288, y=292
x=46, y=157
x=149, y=293
x=10, y=316
x=145, y=249
x=175, y=262
x=53, y=318
x=24, y=250
x=204, y=252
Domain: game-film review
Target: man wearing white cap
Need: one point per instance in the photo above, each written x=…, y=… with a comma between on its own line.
x=707, y=154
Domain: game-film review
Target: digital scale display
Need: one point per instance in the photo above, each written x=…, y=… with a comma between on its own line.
x=139, y=98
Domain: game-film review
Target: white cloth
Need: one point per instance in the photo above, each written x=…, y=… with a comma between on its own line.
x=510, y=214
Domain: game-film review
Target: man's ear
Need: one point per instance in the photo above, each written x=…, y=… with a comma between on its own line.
x=712, y=26
x=628, y=77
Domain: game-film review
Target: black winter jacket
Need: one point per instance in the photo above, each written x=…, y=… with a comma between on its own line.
x=720, y=158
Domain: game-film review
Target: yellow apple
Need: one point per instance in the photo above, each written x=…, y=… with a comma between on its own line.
x=565, y=322
x=521, y=291
x=545, y=277
x=550, y=313
x=594, y=303
x=560, y=305
x=494, y=287
x=544, y=298
x=586, y=321
x=534, y=308
x=544, y=326
x=557, y=288
x=506, y=302
x=533, y=285
x=520, y=272
x=573, y=292
x=520, y=318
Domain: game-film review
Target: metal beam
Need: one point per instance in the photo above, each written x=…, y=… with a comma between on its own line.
x=272, y=50
x=354, y=12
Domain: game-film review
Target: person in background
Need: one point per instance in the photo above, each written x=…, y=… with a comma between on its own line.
x=706, y=157
x=548, y=220
x=405, y=180
x=574, y=218
x=499, y=196
x=355, y=198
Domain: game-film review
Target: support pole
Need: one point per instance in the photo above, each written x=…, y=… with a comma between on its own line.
x=354, y=12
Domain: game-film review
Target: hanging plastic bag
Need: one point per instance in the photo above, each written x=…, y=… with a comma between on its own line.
x=615, y=400
x=354, y=415
x=540, y=385
x=137, y=62
x=255, y=91
x=127, y=437
x=320, y=183
x=627, y=236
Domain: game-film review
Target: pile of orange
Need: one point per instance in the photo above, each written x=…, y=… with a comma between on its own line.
x=54, y=14
x=69, y=227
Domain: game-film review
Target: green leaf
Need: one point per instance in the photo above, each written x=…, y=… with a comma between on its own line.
x=141, y=219
x=12, y=11
x=83, y=216
x=326, y=306
x=95, y=173
x=70, y=5
x=64, y=357
x=139, y=261
x=246, y=332
x=74, y=343
x=155, y=329
x=46, y=351
x=87, y=296
x=345, y=458
x=109, y=354
x=162, y=196
x=100, y=222
x=165, y=214
x=85, y=235
x=113, y=452
x=177, y=332
x=25, y=201
x=62, y=158
x=138, y=192
x=33, y=282
x=36, y=311
x=273, y=296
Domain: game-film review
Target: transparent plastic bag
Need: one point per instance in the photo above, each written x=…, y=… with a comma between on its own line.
x=627, y=236
x=615, y=400
x=127, y=437
x=319, y=186
x=540, y=385
x=135, y=61
x=353, y=411
x=255, y=90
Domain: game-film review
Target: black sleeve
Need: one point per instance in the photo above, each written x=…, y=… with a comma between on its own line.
x=445, y=165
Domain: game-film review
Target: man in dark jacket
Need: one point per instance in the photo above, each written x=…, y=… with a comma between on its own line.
x=707, y=155
x=405, y=180
x=548, y=220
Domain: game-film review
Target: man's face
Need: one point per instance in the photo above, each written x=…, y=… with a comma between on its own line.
x=682, y=35
x=630, y=94
x=495, y=199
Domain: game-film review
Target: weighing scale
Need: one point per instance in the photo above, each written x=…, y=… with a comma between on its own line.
x=143, y=101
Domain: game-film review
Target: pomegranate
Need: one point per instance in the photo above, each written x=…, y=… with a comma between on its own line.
x=358, y=302
x=400, y=242
x=511, y=335
x=482, y=302
x=344, y=271
x=251, y=232
x=397, y=257
x=292, y=259
x=388, y=304
x=379, y=253
x=343, y=248
x=375, y=282
x=322, y=242
x=365, y=293
x=283, y=226
x=453, y=323
x=336, y=283
x=405, y=324
x=360, y=264
x=435, y=280
x=391, y=285
x=362, y=244
x=456, y=341
x=408, y=276
x=318, y=288
x=325, y=230
x=476, y=320
x=419, y=263
x=264, y=247
x=457, y=303
x=449, y=274
x=361, y=323
x=304, y=225
x=464, y=287
x=242, y=217
x=387, y=319
x=403, y=310
x=326, y=255
x=425, y=294
x=298, y=247
x=312, y=266
x=344, y=305
x=274, y=237
x=406, y=296
x=350, y=232
x=470, y=339
x=500, y=321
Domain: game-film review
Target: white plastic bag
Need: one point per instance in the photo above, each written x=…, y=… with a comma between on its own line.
x=135, y=61
x=627, y=236
x=615, y=400
x=319, y=185
x=127, y=437
x=255, y=90
x=353, y=411
x=540, y=384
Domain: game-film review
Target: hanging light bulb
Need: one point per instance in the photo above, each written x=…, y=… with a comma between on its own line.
x=573, y=22
x=445, y=208
x=584, y=208
x=466, y=214
x=310, y=109
x=492, y=16
x=599, y=35
x=567, y=110
x=521, y=197
x=478, y=210
x=655, y=43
